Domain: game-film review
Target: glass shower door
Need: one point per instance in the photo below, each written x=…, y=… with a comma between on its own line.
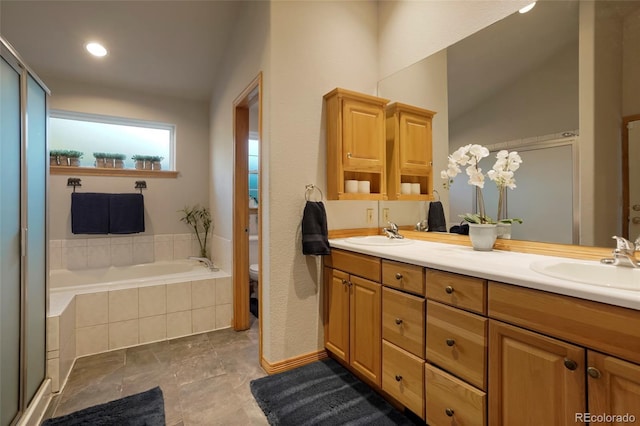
x=9, y=243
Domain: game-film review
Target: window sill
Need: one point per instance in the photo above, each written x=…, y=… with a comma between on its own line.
x=103, y=171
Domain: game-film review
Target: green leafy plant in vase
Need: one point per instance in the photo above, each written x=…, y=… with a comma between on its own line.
x=199, y=219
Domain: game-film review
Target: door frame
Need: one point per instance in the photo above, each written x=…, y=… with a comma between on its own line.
x=626, y=212
x=251, y=94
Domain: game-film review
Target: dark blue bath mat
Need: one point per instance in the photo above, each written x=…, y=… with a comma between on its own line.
x=142, y=409
x=322, y=393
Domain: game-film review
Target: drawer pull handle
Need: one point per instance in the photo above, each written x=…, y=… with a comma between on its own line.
x=593, y=372
x=398, y=378
x=344, y=282
x=449, y=412
x=398, y=321
x=398, y=276
x=448, y=289
x=450, y=342
x=570, y=364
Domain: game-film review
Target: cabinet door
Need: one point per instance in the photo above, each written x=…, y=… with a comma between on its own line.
x=363, y=136
x=533, y=379
x=336, y=318
x=415, y=143
x=365, y=325
x=614, y=387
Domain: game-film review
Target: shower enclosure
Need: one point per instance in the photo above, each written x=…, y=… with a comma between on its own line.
x=23, y=236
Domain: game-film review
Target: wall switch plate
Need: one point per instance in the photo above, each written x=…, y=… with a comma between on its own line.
x=385, y=216
x=369, y=216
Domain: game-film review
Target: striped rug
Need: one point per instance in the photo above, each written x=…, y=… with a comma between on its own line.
x=322, y=393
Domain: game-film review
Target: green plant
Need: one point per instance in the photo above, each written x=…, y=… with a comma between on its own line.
x=109, y=155
x=156, y=158
x=139, y=157
x=74, y=154
x=65, y=153
x=199, y=218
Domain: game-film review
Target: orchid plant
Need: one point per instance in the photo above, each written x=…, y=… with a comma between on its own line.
x=502, y=174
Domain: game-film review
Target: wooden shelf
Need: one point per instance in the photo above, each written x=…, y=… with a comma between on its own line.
x=104, y=171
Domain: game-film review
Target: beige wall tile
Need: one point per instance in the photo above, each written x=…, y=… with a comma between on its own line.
x=53, y=371
x=224, y=290
x=178, y=324
x=152, y=301
x=153, y=329
x=53, y=354
x=179, y=297
x=91, y=340
x=67, y=329
x=92, y=309
x=123, y=334
x=53, y=333
x=203, y=293
x=123, y=305
x=224, y=314
x=203, y=319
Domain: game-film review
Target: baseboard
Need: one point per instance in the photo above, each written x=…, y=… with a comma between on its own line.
x=291, y=363
x=35, y=411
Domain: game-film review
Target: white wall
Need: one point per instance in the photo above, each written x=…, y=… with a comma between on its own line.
x=412, y=30
x=164, y=197
x=631, y=64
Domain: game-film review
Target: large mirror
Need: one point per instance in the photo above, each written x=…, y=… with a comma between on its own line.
x=553, y=84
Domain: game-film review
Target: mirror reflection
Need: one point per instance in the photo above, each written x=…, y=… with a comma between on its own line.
x=553, y=84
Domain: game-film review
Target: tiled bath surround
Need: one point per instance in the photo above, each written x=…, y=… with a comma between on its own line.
x=100, y=252
x=108, y=320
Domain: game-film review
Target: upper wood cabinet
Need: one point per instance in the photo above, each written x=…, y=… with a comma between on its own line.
x=409, y=151
x=355, y=132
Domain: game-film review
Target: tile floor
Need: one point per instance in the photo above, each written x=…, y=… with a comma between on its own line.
x=204, y=378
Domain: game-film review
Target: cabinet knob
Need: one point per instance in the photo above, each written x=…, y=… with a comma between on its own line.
x=398, y=378
x=570, y=364
x=448, y=289
x=593, y=372
x=398, y=276
x=449, y=412
x=348, y=155
x=450, y=342
x=398, y=321
x=344, y=282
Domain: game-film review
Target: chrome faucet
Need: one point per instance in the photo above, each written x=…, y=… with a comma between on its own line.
x=392, y=231
x=624, y=253
x=206, y=261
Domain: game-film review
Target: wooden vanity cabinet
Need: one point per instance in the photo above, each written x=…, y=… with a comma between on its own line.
x=355, y=135
x=409, y=150
x=352, y=320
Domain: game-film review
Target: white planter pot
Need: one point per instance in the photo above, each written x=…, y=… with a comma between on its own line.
x=482, y=236
x=504, y=230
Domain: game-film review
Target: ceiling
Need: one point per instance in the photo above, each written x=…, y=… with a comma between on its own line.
x=168, y=47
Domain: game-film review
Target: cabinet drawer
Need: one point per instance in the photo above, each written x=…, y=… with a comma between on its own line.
x=457, y=342
x=456, y=290
x=403, y=320
x=403, y=276
x=354, y=263
x=452, y=401
x=403, y=377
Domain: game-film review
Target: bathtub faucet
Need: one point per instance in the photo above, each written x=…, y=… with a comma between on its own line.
x=206, y=261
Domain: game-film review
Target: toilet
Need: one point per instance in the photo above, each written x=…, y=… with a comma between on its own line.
x=253, y=272
x=253, y=258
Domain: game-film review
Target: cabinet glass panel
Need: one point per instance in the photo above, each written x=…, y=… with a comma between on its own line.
x=36, y=237
x=9, y=242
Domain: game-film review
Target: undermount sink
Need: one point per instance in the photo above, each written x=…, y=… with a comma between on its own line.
x=378, y=240
x=592, y=273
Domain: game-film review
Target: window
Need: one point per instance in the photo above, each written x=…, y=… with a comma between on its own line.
x=92, y=133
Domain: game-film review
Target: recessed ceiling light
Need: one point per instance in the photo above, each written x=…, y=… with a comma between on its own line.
x=96, y=49
x=527, y=8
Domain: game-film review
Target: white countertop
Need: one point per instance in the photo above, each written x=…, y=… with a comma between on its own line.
x=503, y=266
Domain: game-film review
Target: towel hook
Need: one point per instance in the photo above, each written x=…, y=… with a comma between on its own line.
x=436, y=192
x=309, y=190
x=141, y=184
x=73, y=182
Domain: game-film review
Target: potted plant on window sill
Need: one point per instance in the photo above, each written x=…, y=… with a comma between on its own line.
x=64, y=157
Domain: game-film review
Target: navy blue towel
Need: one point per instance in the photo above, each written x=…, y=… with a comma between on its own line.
x=89, y=213
x=126, y=213
x=435, y=218
x=315, y=236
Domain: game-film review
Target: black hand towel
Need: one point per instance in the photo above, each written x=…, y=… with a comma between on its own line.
x=315, y=236
x=435, y=217
x=126, y=213
x=89, y=213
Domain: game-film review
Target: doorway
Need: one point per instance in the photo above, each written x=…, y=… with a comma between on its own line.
x=247, y=119
x=631, y=176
